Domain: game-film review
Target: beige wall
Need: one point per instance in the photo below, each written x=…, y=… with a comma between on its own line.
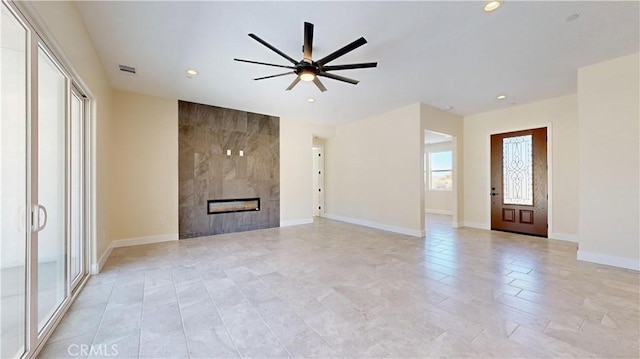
x=437, y=120
x=374, y=173
x=296, y=181
x=61, y=23
x=609, y=181
x=437, y=201
x=561, y=115
x=145, y=172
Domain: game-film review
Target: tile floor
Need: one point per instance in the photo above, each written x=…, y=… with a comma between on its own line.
x=332, y=289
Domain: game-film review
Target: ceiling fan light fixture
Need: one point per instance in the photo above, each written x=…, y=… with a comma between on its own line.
x=307, y=76
x=490, y=6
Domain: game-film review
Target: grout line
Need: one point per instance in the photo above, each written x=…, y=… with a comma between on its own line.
x=224, y=323
x=184, y=331
x=261, y=317
x=144, y=286
x=95, y=335
x=477, y=336
x=226, y=328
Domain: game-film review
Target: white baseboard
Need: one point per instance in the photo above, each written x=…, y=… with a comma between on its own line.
x=376, y=225
x=126, y=242
x=439, y=211
x=563, y=237
x=457, y=224
x=477, y=225
x=296, y=222
x=97, y=267
x=621, y=262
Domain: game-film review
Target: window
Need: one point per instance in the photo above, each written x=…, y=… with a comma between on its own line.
x=440, y=168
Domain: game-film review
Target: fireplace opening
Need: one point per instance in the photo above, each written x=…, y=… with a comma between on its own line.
x=215, y=206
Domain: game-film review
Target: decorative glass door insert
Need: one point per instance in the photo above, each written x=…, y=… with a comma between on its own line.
x=517, y=170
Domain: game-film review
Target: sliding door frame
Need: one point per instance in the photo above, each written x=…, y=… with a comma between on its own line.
x=38, y=38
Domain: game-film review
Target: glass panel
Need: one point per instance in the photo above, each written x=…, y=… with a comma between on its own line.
x=441, y=161
x=440, y=165
x=51, y=187
x=76, y=186
x=13, y=190
x=517, y=173
x=441, y=180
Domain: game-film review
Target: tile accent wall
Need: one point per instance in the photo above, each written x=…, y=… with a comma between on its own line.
x=206, y=172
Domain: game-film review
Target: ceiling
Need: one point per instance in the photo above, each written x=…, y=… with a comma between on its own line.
x=432, y=137
x=447, y=53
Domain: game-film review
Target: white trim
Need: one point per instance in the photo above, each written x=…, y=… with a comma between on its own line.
x=376, y=225
x=127, y=242
x=563, y=237
x=457, y=224
x=97, y=267
x=477, y=225
x=296, y=222
x=439, y=211
x=621, y=262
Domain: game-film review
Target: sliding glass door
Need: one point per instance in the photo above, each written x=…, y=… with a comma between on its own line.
x=51, y=187
x=76, y=187
x=43, y=246
x=13, y=184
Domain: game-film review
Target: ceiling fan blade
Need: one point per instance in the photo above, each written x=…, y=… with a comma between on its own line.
x=348, y=48
x=255, y=37
x=294, y=83
x=350, y=66
x=321, y=87
x=308, y=41
x=264, y=63
x=339, y=78
x=278, y=75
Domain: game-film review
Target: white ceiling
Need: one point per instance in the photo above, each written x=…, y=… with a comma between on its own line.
x=446, y=53
x=432, y=137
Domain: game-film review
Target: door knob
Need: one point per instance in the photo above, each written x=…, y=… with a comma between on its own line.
x=494, y=194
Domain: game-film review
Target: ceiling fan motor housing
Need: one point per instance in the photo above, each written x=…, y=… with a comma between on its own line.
x=304, y=67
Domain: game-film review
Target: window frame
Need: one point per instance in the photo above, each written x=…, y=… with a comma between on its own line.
x=431, y=171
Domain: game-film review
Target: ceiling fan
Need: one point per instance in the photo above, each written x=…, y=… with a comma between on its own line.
x=309, y=70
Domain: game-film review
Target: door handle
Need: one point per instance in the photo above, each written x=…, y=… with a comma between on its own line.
x=37, y=209
x=494, y=194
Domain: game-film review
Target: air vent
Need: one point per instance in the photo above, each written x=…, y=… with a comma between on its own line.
x=127, y=69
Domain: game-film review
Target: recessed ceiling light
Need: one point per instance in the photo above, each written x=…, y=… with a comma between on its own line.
x=492, y=5
x=192, y=72
x=573, y=17
x=448, y=108
x=501, y=97
x=311, y=99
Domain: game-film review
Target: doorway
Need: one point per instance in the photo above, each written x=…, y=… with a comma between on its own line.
x=438, y=179
x=519, y=189
x=318, y=177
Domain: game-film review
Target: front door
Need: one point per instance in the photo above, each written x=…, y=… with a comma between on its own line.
x=519, y=182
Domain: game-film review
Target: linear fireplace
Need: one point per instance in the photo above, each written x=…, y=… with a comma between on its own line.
x=215, y=206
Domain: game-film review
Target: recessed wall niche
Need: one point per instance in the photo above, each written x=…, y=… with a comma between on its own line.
x=212, y=167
